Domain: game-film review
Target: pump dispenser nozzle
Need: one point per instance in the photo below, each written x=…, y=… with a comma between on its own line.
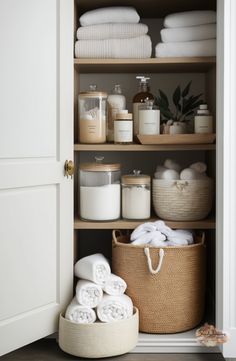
x=143, y=79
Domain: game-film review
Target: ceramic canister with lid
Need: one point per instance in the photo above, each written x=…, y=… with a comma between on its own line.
x=99, y=191
x=92, y=116
x=203, y=120
x=149, y=118
x=136, y=196
x=123, y=128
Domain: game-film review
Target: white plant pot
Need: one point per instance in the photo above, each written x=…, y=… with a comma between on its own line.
x=178, y=128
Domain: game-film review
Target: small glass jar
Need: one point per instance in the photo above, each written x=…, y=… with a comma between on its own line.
x=123, y=128
x=136, y=196
x=92, y=116
x=99, y=192
x=149, y=118
x=203, y=120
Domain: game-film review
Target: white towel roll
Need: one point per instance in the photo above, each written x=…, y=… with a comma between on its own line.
x=170, y=174
x=113, y=14
x=191, y=33
x=115, y=286
x=199, y=167
x=186, y=49
x=88, y=293
x=114, y=308
x=142, y=229
x=79, y=314
x=94, y=268
x=171, y=164
x=190, y=18
x=191, y=174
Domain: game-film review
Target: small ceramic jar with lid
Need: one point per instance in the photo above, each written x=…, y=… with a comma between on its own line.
x=99, y=191
x=149, y=118
x=123, y=128
x=136, y=196
x=203, y=120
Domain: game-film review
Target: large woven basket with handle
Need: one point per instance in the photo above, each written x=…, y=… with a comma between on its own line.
x=166, y=284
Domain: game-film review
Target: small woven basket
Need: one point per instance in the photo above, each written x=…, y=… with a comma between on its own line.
x=182, y=200
x=166, y=284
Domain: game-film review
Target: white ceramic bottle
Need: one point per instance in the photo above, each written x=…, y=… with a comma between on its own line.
x=116, y=102
x=203, y=120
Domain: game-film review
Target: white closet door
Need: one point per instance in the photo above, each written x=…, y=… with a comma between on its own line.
x=36, y=205
x=226, y=173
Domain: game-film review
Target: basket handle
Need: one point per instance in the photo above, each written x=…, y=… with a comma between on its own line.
x=116, y=233
x=149, y=261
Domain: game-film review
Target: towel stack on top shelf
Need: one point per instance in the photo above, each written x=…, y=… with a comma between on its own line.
x=112, y=32
x=188, y=34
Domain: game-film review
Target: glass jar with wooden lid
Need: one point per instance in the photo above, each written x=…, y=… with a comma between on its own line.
x=123, y=128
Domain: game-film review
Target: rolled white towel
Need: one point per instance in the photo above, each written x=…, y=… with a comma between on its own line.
x=114, y=308
x=191, y=174
x=190, y=18
x=94, y=268
x=186, y=49
x=175, y=241
x=142, y=229
x=170, y=174
x=111, y=31
x=190, y=33
x=199, y=167
x=183, y=234
x=88, y=293
x=115, y=286
x=158, y=239
x=171, y=164
x=80, y=314
x=113, y=14
x=159, y=171
x=153, y=238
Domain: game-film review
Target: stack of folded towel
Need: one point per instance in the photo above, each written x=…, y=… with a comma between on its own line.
x=112, y=32
x=158, y=234
x=191, y=33
x=171, y=170
x=99, y=293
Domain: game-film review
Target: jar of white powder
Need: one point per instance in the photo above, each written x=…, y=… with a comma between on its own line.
x=136, y=196
x=99, y=195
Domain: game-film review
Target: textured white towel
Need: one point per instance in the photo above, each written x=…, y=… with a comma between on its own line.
x=115, y=286
x=80, y=314
x=190, y=33
x=88, y=293
x=94, y=268
x=188, y=49
x=190, y=18
x=140, y=47
x=114, y=308
x=113, y=14
x=111, y=31
x=142, y=229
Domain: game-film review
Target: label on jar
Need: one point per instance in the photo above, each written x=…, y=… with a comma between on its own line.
x=203, y=124
x=92, y=131
x=149, y=121
x=136, y=117
x=123, y=131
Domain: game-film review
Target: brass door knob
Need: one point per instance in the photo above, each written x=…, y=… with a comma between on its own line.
x=69, y=168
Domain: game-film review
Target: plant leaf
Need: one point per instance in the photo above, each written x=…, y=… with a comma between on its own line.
x=176, y=96
x=164, y=98
x=191, y=103
x=186, y=89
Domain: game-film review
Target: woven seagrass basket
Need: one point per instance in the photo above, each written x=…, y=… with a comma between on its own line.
x=167, y=284
x=182, y=200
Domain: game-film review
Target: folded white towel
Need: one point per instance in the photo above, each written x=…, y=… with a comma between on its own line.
x=94, y=268
x=115, y=286
x=190, y=18
x=142, y=229
x=190, y=33
x=140, y=47
x=188, y=49
x=114, y=308
x=199, y=167
x=113, y=14
x=88, y=293
x=171, y=164
x=80, y=314
x=111, y=31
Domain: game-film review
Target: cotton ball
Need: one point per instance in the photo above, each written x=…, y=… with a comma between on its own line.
x=170, y=174
x=199, y=167
x=171, y=164
x=190, y=174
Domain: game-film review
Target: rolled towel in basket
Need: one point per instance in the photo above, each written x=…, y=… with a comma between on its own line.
x=112, y=14
x=94, y=268
x=115, y=308
x=190, y=18
x=80, y=314
x=142, y=230
x=115, y=286
x=88, y=293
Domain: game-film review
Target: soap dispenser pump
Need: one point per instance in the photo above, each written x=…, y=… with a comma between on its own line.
x=140, y=98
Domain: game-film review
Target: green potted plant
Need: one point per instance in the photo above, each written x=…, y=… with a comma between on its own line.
x=184, y=105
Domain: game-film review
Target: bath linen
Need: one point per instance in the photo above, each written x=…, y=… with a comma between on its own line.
x=140, y=47
x=190, y=33
x=169, y=174
x=188, y=49
x=88, y=293
x=154, y=238
x=171, y=164
x=80, y=314
x=191, y=174
x=200, y=167
x=190, y=18
x=94, y=268
x=113, y=14
x=111, y=31
x=142, y=229
x=114, y=308
x=115, y=286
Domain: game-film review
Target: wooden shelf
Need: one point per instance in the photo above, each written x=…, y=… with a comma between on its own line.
x=208, y=223
x=140, y=147
x=151, y=65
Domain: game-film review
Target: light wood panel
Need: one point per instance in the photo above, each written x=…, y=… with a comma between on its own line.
x=140, y=148
x=151, y=65
x=208, y=223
